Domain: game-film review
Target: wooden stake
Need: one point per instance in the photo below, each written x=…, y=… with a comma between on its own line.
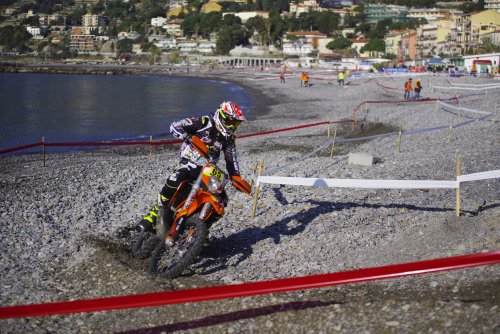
x=437, y=105
x=254, y=169
x=150, y=146
x=43, y=151
x=457, y=191
x=328, y=129
x=257, y=190
x=333, y=144
x=399, y=139
x=353, y=119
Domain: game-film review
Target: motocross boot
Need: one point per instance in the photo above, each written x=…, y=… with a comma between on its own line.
x=149, y=221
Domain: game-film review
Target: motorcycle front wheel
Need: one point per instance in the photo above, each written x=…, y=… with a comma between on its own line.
x=170, y=262
x=144, y=245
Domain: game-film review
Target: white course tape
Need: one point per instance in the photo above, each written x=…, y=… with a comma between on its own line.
x=492, y=174
x=464, y=109
x=358, y=183
x=377, y=184
x=467, y=88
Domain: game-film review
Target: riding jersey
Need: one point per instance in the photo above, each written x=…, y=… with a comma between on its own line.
x=204, y=128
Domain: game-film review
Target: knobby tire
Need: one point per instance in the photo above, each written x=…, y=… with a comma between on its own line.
x=170, y=262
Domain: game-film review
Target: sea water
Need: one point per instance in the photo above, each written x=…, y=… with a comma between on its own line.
x=90, y=108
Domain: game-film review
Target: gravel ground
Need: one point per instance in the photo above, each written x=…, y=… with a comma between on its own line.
x=59, y=223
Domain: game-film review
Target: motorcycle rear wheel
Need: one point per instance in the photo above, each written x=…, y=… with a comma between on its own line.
x=145, y=244
x=170, y=262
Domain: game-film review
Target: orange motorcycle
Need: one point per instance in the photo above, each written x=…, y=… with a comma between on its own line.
x=182, y=226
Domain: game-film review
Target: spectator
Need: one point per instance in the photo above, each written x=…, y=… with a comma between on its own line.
x=282, y=77
x=408, y=89
x=341, y=78
x=417, y=89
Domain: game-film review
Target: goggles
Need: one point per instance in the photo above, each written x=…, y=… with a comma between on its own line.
x=232, y=123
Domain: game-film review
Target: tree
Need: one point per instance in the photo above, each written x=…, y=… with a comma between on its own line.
x=124, y=45
x=209, y=23
x=33, y=21
x=14, y=38
x=190, y=24
x=327, y=22
x=339, y=44
x=155, y=53
x=374, y=45
x=224, y=41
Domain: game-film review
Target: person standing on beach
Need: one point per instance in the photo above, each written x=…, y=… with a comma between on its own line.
x=341, y=78
x=408, y=89
x=282, y=77
x=302, y=79
x=306, y=79
x=417, y=89
x=217, y=131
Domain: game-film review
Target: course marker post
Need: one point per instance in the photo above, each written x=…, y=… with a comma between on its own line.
x=43, y=151
x=328, y=128
x=256, y=196
x=399, y=139
x=254, y=169
x=333, y=143
x=457, y=190
x=150, y=146
x=450, y=131
x=353, y=119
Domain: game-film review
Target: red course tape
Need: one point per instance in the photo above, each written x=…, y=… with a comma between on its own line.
x=250, y=289
x=154, y=143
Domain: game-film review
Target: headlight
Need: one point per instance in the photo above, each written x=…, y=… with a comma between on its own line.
x=214, y=185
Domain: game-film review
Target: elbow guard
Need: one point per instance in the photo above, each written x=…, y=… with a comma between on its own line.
x=241, y=184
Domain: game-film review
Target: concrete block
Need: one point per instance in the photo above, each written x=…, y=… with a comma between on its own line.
x=359, y=158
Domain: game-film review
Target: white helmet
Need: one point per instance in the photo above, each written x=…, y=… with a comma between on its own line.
x=227, y=118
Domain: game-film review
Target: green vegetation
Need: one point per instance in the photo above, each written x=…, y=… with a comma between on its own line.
x=339, y=44
x=14, y=38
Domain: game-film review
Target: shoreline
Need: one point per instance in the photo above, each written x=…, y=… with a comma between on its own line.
x=259, y=100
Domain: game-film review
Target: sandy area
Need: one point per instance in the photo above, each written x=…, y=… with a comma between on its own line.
x=59, y=223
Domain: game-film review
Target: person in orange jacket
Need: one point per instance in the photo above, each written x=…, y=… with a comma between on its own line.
x=408, y=89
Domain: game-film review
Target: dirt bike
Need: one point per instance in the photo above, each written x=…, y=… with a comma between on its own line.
x=182, y=226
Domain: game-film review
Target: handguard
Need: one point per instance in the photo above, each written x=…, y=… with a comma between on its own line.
x=199, y=145
x=241, y=184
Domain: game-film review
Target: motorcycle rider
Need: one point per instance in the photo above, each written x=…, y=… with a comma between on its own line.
x=216, y=131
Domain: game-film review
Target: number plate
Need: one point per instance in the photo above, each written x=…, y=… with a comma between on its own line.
x=213, y=172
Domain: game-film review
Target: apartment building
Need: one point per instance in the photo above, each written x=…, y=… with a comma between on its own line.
x=301, y=43
x=492, y=4
x=378, y=12
x=430, y=14
x=82, y=43
x=471, y=28
x=402, y=43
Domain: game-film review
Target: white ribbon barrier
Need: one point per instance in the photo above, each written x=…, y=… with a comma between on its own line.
x=465, y=109
x=358, y=183
x=377, y=184
x=467, y=88
x=492, y=174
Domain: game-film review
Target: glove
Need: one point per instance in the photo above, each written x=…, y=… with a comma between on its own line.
x=241, y=184
x=199, y=145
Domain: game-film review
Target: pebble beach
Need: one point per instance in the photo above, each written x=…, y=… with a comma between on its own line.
x=59, y=223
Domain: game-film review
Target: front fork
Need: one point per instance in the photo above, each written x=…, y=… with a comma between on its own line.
x=179, y=221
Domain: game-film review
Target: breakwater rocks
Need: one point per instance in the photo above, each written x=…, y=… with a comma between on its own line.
x=81, y=69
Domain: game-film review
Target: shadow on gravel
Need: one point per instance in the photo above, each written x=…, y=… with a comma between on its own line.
x=234, y=316
x=218, y=255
